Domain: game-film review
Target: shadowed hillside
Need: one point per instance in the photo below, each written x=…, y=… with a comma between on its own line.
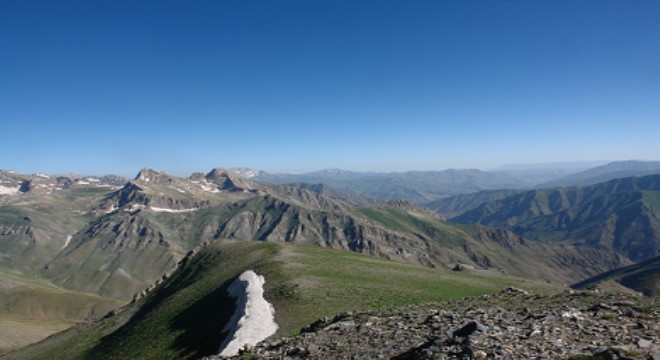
x=643, y=277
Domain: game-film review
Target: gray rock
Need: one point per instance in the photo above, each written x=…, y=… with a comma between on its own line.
x=474, y=328
x=643, y=343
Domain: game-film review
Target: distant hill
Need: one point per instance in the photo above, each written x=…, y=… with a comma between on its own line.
x=540, y=173
x=620, y=215
x=458, y=204
x=414, y=186
x=643, y=277
x=427, y=186
x=567, y=166
x=613, y=170
x=455, y=205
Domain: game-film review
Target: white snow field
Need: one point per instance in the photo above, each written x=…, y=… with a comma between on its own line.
x=254, y=319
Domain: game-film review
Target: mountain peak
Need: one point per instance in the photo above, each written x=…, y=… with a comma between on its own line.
x=220, y=173
x=147, y=174
x=228, y=180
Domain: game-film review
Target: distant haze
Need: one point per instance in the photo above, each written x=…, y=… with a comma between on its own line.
x=575, y=165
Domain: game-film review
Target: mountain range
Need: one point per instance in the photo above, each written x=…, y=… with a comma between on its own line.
x=620, y=215
x=422, y=187
x=115, y=242
x=605, y=172
x=414, y=186
x=105, y=241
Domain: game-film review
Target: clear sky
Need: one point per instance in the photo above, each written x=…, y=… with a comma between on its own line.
x=289, y=86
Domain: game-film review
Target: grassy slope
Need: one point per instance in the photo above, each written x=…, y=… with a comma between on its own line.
x=652, y=198
x=308, y=282
x=398, y=220
x=493, y=248
x=16, y=333
x=31, y=309
x=183, y=317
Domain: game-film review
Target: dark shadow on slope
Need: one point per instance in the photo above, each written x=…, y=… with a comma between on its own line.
x=202, y=323
x=642, y=277
x=181, y=318
x=199, y=327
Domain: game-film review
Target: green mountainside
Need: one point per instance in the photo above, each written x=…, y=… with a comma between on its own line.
x=31, y=309
x=183, y=316
x=458, y=204
x=618, y=215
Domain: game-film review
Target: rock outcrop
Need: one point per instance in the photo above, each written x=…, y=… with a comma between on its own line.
x=512, y=324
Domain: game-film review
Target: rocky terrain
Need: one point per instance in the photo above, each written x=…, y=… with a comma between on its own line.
x=512, y=324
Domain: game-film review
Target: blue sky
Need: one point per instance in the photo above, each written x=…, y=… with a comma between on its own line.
x=290, y=86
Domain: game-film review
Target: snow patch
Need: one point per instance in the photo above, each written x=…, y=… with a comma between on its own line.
x=122, y=272
x=573, y=314
x=211, y=189
x=254, y=319
x=43, y=175
x=246, y=172
x=135, y=207
x=66, y=243
x=8, y=190
x=112, y=209
x=158, y=209
x=82, y=182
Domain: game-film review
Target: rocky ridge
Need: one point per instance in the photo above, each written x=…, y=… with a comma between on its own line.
x=13, y=183
x=512, y=324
